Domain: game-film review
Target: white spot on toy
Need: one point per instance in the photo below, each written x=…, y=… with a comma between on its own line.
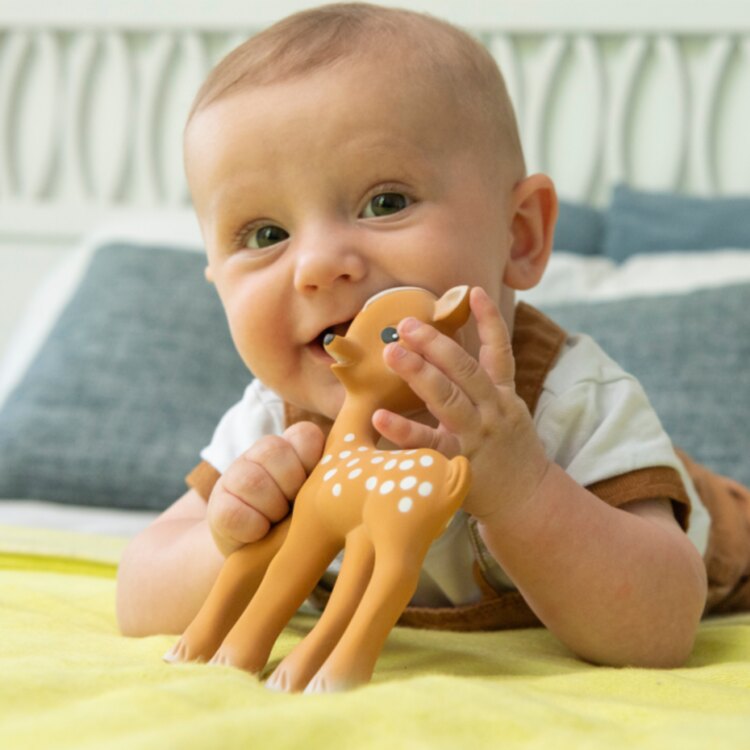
x=326, y=459
x=345, y=454
x=371, y=483
x=377, y=460
x=349, y=438
x=387, y=487
x=406, y=465
x=336, y=489
x=425, y=489
x=354, y=474
x=363, y=448
x=408, y=483
x=329, y=474
x=405, y=504
x=426, y=460
x=390, y=464
x=353, y=462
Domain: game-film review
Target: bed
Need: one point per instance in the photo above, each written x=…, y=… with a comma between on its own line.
x=639, y=112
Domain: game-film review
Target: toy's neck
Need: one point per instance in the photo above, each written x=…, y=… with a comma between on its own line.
x=353, y=425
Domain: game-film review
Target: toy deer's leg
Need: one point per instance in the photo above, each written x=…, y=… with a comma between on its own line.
x=238, y=580
x=393, y=583
x=298, y=668
x=291, y=576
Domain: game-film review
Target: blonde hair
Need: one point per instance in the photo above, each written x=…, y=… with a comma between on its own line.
x=425, y=46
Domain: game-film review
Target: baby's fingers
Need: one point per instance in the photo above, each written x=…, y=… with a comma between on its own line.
x=307, y=440
x=446, y=376
x=446, y=400
x=496, y=352
x=269, y=475
x=233, y=522
x=405, y=433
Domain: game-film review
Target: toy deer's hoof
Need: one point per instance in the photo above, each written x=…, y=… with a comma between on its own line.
x=279, y=682
x=190, y=647
x=328, y=683
x=221, y=658
x=295, y=670
x=180, y=652
x=320, y=684
x=229, y=656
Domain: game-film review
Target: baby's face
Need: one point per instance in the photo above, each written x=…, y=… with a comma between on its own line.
x=314, y=194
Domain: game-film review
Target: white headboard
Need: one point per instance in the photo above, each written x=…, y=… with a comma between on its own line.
x=93, y=96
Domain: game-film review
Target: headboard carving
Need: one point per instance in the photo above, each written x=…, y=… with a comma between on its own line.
x=92, y=104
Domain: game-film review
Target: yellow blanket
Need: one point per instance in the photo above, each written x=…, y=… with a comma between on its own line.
x=69, y=680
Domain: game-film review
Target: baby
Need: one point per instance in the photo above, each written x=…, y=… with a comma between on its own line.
x=353, y=148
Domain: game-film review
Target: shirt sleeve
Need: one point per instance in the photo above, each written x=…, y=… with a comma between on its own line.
x=260, y=412
x=595, y=421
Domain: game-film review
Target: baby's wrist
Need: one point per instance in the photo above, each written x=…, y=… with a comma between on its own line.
x=506, y=511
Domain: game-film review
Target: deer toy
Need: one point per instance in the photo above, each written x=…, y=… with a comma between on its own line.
x=383, y=507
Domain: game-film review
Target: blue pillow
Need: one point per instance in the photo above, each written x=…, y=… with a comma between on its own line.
x=645, y=222
x=691, y=353
x=127, y=388
x=580, y=229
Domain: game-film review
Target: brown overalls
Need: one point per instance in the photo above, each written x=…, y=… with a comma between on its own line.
x=537, y=342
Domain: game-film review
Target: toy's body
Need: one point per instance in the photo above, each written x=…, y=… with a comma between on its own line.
x=383, y=507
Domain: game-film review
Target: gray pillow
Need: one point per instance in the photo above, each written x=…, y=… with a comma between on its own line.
x=127, y=388
x=643, y=222
x=580, y=229
x=691, y=352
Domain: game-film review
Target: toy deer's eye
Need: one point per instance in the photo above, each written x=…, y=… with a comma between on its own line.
x=389, y=335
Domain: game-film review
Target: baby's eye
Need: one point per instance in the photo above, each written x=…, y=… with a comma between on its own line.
x=265, y=237
x=385, y=204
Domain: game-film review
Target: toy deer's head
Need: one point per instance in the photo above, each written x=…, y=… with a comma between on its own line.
x=359, y=354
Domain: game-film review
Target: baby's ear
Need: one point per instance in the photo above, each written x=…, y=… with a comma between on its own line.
x=209, y=274
x=532, y=225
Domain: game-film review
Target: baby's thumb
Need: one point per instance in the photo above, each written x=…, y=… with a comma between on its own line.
x=308, y=440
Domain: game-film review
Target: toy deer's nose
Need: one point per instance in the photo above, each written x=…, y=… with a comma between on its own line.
x=344, y=351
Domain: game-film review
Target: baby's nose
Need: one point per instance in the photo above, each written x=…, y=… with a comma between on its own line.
x=320, y=266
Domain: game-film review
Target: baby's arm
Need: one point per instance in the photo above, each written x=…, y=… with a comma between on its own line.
x=168, y=569
x=617, y=587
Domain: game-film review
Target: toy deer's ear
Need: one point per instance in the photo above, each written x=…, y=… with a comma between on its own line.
x=452, y=309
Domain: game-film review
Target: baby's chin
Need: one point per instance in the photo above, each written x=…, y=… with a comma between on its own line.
x=324, y=400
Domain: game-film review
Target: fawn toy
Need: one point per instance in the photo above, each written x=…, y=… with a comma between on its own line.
x=383, y=507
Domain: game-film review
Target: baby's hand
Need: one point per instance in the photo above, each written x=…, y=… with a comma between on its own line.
x=475, y=402
x=255, y=491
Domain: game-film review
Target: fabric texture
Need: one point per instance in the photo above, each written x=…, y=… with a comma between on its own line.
x=648, y=222
x=691, y=354
x=728, y=554
x=579, y=229
x=133, y=376
x=259, y=412
x=71, y=681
